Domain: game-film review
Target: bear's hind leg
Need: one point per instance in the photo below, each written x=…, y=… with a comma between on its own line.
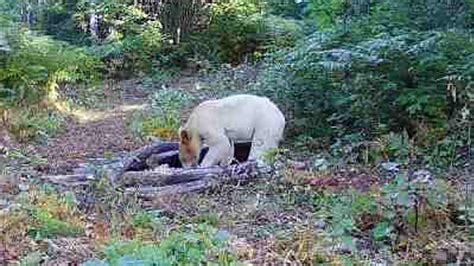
x=262, y=143
x=267, y=137
x=220, y=152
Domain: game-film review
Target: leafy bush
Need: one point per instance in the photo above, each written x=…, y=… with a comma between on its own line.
x=241, y=28
x=126, y=38
x=285, y=8
x=132, y=53
x=401, y=211
x=53, y=216
x=31, y=124
x=370, y=87
x=31, y=74
x=234, y=29
x=328, y=13
x=42, y=214
x=37, y=66
x=280, y=33
x=391, y=16
x=196, y=244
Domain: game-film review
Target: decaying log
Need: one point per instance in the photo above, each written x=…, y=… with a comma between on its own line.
x=168, y=154
x=166, y=180
x=155, y=170
x=137, y=160
x=68, y=180
x=167, y=176
x=156, y=160
x=194, y=180
x=170, y=176
x=156, y=192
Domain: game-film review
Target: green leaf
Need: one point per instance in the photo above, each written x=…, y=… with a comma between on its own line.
x=349, y=241
x=403, y=198
x=381, y=231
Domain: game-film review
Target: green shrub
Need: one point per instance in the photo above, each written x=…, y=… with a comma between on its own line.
x=51, y=215
x=239, y=29
x=31, y=74
x=328, y=13
x=391, y=16
x=280, y=33
x=234, y=29
x=38, y=65
x=195, y=244
x=285, y=8
x=128, y=39
x=32, y=259
x=132, y=53
x=401, y=208
x=332, y=88
x=31, y=124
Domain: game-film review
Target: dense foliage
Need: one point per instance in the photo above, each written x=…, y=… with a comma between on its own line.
x=393, y=70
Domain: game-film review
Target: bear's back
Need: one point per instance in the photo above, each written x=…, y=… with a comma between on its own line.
x=238, y=114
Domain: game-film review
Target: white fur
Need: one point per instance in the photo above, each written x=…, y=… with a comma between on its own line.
x=238, y=118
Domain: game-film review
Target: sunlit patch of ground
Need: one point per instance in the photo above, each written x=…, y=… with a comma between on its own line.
x=93, y=133
x=87, y=116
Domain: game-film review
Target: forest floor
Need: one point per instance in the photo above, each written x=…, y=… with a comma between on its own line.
x=268, y=221
x=98, y=132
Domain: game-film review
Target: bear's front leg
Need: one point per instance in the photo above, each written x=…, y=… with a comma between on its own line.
x=220, y=152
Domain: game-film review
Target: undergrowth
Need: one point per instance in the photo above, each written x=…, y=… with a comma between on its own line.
x=164, y=116
x=33, y=124
x=192, y=244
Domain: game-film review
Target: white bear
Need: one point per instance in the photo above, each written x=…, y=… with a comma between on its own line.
x=221, y=123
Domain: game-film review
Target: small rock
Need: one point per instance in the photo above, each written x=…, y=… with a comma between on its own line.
x=422, y=176
x=320, y=224
x=23, y=187
x=80, y=171
x=391, y=167
x=441, y=256
x=321, y=164
x=9, y=208
x=300, y=166
x=242, y=247
x=344, y=249
x=223, y=234
x=3, y=203
x=153, y=161
x=7, y=184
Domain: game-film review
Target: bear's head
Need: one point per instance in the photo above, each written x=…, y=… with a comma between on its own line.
x=189, y=148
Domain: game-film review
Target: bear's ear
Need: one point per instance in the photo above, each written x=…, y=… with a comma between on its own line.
x=184, y=135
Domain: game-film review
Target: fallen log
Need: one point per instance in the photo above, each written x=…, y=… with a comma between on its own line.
x=170, y=176
x=161, y=153
x=167, y=176
x=194, y=180
x=155, y=171
x=164, y=176
x=168, y=154
x=68, y=180
x=157, y=192
x=137, y=161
